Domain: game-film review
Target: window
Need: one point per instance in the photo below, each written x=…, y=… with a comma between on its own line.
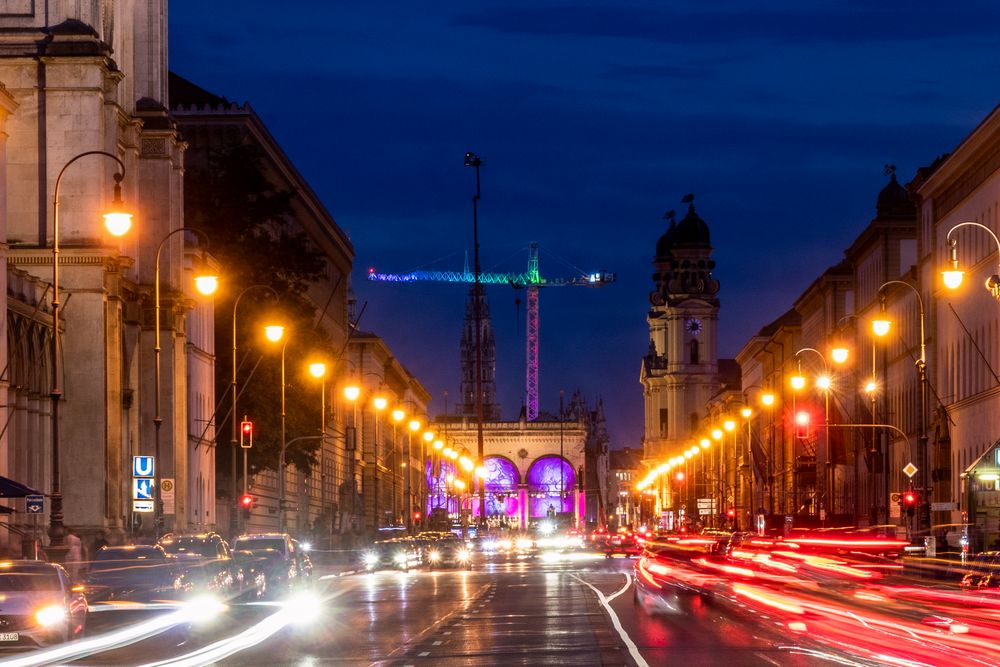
x=694, y=352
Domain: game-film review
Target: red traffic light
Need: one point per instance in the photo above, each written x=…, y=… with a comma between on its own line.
x=731, y=513
x=802, y=420
x=909, y=498
x=246, y=434
x=246, y=501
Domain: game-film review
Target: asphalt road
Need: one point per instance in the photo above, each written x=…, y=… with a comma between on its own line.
x=579, y=611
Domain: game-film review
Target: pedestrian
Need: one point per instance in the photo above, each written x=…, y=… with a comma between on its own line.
x=101, y=540
x=74, y=555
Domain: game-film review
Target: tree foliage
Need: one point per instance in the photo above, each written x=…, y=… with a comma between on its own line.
x=230, y=195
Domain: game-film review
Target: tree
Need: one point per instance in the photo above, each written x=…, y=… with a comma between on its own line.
x=256, y=239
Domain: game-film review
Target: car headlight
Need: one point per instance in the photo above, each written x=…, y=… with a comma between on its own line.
x=370, y=559
x=463, y=555
x=434, y=556
x=505, y=544
x=524, y=543
x=51, y=615
x=204, y=608
x=400, y=558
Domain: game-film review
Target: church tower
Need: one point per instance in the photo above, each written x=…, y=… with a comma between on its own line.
x=467, y=407
x=680, y=371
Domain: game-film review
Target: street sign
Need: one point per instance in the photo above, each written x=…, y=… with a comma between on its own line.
x=142, y=489
x=910, y=470
x=142, y=506
x=167, y=495
x=705, y=512
x=706, y=503
x=142, y=466
x=34, y=504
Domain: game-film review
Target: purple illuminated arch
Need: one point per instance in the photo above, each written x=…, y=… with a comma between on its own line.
x=502, y=481
x=437, y=487
x=544, y=486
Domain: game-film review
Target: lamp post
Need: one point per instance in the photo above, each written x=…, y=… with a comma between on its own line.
x=823, y=383
x=881, y=328
x=351, y=392
x=397, y=414
x=318, y=370
x=284, y=444
x=206, y=284
x=117, y=223
x=473, y=160
x=272, y=333
x=953, y=276
x=413, y=427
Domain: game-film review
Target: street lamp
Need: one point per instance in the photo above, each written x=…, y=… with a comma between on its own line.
x=273, y=333
x=414, y=426
x=397, y=414
x=284, y=443
x=921, y=365
x=318, y=370
x=953, y=276
x=206, y=282
x=117, y=222
x=824, y=383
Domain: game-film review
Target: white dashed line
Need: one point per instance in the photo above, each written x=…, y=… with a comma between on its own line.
x=424, y=654
x=437, y=643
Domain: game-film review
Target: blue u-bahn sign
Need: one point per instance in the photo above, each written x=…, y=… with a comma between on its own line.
x=142, y=466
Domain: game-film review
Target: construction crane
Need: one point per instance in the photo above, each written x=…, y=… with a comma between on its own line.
x=531, y=280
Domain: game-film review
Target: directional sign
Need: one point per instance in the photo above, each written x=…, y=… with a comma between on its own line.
x=142, y=506
x=34, y=504
x=142, y=466
x=910, y=470
x=142, y=489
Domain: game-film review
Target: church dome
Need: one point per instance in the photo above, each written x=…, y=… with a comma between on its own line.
x=665, y=243
x=894, y=201
x=691, y=232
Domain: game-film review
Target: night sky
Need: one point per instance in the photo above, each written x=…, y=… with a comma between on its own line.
x=592, y=121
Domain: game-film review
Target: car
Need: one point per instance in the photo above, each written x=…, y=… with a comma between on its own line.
x=447, y=551
x=983, y=573
x=278, y=557
x=134, y=573
x=208, y=565
x=621, y=543
x=398, y=554
x=41, y=606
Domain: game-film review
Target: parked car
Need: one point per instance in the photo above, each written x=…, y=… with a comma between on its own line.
x=136, y=573
x=208, y=565
x=275, y=556
x=40, y=605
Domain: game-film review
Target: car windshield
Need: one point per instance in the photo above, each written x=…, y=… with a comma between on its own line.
x=190, y=547
x=29, y=581
x=259, y=545
x=117, y=558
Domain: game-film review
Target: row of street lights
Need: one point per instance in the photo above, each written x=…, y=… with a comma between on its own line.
x=881, y=326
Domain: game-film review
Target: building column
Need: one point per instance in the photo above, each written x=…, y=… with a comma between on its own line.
x=522, y=505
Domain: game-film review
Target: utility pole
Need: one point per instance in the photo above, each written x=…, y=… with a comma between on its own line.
x=473, y=160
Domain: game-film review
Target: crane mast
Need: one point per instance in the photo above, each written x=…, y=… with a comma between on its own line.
x=531, y=280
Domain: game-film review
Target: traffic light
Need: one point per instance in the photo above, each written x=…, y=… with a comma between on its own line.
x=909, y=501
x=802, y=425
x=246, y=502
x=731, y=513
x=246, y=434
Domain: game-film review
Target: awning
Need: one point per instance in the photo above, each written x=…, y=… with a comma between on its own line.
x=11, y=489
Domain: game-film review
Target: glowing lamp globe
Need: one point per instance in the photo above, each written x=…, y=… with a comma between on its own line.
x=798, y=382
x=206, y=285
x=380, y=402
x=823, y=382
x=717, y=433
x=351, y=392
x=881, y=327
x=767, y=399
x=274, y=332
x=839, y=354
x=952, y=278
x=398, y=415
x=414, y=424
x=746, y=412
x=705, y=443
x=117, y=222
x=729, y=425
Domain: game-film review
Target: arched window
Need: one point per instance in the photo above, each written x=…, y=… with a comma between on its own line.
x=694, y=352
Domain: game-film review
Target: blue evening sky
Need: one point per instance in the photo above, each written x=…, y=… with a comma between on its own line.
x=593, y=119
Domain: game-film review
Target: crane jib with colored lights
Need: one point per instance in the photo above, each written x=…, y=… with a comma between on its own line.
x=530, y=281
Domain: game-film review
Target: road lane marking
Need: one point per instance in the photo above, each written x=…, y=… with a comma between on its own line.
x=632, y=648
x=437, y=643
x=423, y=654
